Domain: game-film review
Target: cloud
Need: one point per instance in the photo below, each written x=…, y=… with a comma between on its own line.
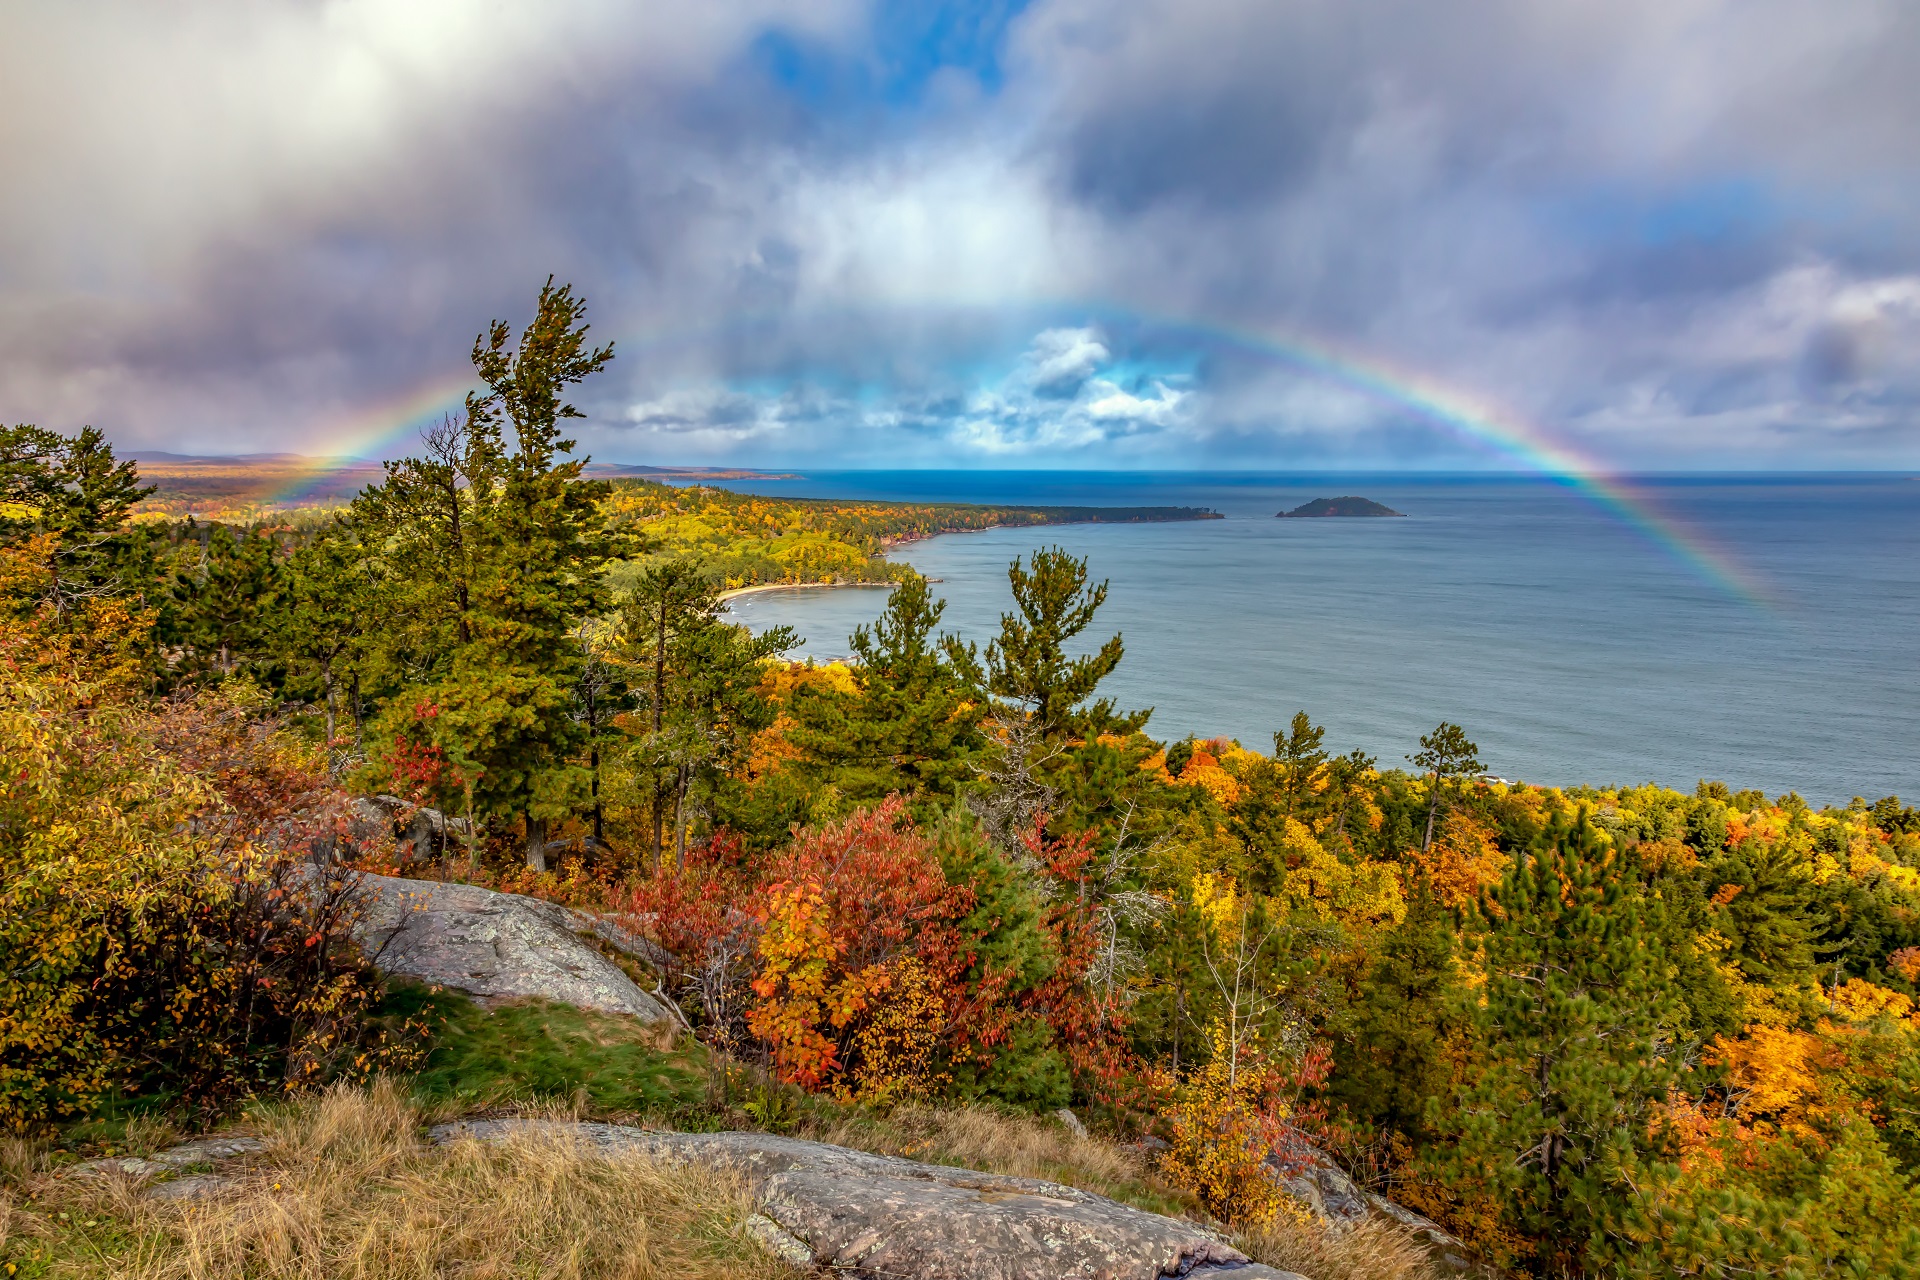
x=1672, y=231
x=1064, y=392
x=1061, y=360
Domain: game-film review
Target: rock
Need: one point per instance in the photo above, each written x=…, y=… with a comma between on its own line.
x=173, y=1159
x=1070, y=1122
x=493, y=946
x=199, y=1186
x=421, y=834
x=1326, y=1192
x=779, y=1241
x=878, y=1216
x=1425, y=1227
x=199, y=1151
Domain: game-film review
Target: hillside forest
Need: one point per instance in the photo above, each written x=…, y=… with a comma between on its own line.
x=1590, y=1031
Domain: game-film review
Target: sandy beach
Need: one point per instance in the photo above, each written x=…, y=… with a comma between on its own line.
x=797, y=586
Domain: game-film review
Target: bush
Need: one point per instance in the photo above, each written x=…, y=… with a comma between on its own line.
x=162, y=928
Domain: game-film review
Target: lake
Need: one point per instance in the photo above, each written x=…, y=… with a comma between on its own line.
x=1571, y=645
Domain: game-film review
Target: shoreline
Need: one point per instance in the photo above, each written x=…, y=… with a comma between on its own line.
x=725, y=596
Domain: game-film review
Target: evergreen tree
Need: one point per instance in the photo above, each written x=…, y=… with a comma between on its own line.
x=1766, y=907
x=697, y=678
x=492, y=549
x=1444, y=754
x=425, y=522
x=1393, y=1064
x=1301, y=758
x=912, y=726
x=321, y=615
x=224, y=606
x=1577, y=1025
x=548, y=541
x=1029, y=662
x=73, y=488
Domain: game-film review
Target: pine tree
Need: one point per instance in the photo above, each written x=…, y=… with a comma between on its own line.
x=75, y=489
x=224, y=606
x=696, y=678
x=911, y=726
x=321, y=613
x=548, y=542
x=1029, y=662
x=1444, y=754
x=1301, y=758
x=1768, y=913
x=1393, y=1063
x=1577, y=1027
x=491, y=552
x=425, y=521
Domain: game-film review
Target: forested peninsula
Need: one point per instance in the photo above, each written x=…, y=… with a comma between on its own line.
x=1366, y=1017
x=223, y=514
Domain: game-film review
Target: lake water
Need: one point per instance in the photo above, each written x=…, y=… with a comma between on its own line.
x=1571, y=645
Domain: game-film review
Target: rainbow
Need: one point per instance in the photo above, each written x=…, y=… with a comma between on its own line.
x=1467, y=417
x=1490, y=428
x=370, y=432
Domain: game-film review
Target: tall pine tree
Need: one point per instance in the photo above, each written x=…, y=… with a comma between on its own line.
x=912, y=725
x=1577, y=1031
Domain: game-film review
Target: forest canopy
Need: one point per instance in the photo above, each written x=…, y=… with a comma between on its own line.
x=1590, y=1031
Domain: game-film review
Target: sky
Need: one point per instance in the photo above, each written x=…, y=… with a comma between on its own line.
x=1168, y=234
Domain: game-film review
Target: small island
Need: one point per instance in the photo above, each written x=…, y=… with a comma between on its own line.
x=1348, y=506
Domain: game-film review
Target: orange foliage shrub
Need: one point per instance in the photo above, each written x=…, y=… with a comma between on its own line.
x=1906, y=963
x=848, y=899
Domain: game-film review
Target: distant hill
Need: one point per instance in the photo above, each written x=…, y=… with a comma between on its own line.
x=1348, y=506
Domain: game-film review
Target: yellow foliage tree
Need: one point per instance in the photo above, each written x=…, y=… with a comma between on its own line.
x=1226, y=1121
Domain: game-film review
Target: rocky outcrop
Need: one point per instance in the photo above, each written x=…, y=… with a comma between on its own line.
x=864, y=1215
x=494, y=946
x=419, y=833
x=1324, y=1190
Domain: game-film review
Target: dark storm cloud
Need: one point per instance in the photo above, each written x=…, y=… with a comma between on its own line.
x=981, y=231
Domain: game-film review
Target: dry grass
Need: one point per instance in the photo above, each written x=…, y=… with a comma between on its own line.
x=19, y=1158
x=1371, y=1250
x=1023, y=1146
x=347, y=1187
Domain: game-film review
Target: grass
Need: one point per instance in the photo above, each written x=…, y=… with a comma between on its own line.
x=1371, y=1250
x=347, y=1187
x=537, y=1053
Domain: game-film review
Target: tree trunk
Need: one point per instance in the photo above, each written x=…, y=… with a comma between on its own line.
x=679, y=826
x=536, y=842
x=599, y=815
x=1433, y=810
x=593, y=757
x=659, y=718
x=326, y=683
